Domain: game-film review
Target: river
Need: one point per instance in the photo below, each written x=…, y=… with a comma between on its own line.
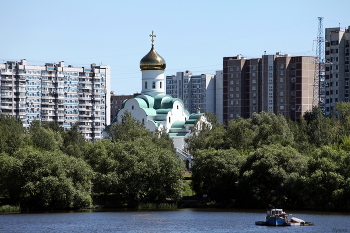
x=182, y=220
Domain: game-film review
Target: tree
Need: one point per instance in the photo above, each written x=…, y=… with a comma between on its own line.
x=210, y=134
x=44, y=137
x=136, y=171
x=322, y=130
x=73, y=141
x=128, y=130
x=270, y=129
x=239, y=134
x=273, y=174
x=12, y=134
x=137, y=165
x=216, y=173
x=329, y=176
x=41, y=179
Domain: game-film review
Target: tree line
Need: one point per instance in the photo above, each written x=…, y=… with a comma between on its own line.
x=248, y=163
x=46, y=166
x=269, y=159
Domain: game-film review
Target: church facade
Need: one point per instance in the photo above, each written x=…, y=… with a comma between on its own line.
x=157, y=110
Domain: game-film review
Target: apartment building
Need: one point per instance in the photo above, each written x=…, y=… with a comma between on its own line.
x=55, y=92
x=279, y=83
x=337, y=58
x=196, y=91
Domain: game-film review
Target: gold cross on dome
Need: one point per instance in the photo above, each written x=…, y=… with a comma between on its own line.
x=152, y=35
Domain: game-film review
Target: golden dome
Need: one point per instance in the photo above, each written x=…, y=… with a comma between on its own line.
x=152, y=61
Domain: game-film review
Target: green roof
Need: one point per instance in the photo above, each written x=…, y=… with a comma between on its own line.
x=178, y=125
x=142, y=103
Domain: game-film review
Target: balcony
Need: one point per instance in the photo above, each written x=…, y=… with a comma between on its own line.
x=7, y=72
x=6, y=106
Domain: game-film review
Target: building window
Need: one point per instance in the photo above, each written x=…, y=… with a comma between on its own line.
x=282, y=107
x=169, y=119
x=237, y=81
x=253, y=88
x=231, y=68
x=237, y=88
x=231, y=82
x=153, y=84
x=281, y=93
x=145, y=85
x=160, y=85
x=253, y=80
x=237, y=95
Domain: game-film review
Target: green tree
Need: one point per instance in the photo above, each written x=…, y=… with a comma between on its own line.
x=73, y=141
x=136, y=171
x=216, y=173
x=44, y=137
x=12, y=134
x=273, y=174
x=128, y=130
x=239, y=134
x=271, y=129
x=322, y=130
x=210, y=134
x=37, y=179
x=137, y=165
x=328, y=175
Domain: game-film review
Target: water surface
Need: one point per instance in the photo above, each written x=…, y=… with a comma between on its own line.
x=183, y=220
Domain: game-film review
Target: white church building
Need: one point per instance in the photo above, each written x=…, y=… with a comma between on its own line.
x=157, y=110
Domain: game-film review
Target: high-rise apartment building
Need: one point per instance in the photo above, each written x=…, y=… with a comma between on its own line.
x=196, y=91
x=55, y=92
x=337, y=50
x=279, y=83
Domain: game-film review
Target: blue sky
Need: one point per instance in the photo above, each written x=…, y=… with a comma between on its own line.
x=191, y=34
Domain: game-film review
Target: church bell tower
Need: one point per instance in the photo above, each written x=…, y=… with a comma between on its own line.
x=152, y=67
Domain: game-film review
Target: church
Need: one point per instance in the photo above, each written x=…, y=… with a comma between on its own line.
x=157, y=110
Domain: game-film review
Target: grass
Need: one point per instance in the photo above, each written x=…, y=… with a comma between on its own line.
x=9, y=209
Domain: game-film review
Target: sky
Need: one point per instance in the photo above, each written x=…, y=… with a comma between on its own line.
x=191, y=35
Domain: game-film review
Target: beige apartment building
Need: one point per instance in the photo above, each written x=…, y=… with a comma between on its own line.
x=279, y=83
x=337, y=66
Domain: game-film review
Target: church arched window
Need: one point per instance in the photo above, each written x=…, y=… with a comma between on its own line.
x=153, y=84
x=160, y=84
x=146, y=85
